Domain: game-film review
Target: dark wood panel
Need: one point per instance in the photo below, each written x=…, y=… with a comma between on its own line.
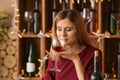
x=110, y=55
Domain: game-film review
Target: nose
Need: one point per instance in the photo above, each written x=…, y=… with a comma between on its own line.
x=63, y=33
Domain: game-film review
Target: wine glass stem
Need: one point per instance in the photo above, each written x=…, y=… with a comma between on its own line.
x=28, y=28
x=56, y=60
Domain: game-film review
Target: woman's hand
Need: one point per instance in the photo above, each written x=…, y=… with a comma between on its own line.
x=73, y=55
x=69, y=53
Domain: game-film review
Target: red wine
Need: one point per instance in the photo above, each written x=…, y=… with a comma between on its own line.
x=58, y=48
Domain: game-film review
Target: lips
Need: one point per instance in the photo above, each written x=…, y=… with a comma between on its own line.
x=63, y=40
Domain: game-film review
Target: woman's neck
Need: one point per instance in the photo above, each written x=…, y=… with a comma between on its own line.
x=78, y=48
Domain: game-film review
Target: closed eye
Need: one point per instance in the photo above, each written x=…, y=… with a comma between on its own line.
x=66, y=28
x=69, y=29
x=59, y=28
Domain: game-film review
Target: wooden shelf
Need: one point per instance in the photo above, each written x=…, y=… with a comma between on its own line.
x=30, y=36
x=112, y=79
x=30, y=78
x=115, y=36
x=112, y=36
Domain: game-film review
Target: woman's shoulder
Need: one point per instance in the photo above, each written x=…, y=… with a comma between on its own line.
x=89, y=50
x=88, y=53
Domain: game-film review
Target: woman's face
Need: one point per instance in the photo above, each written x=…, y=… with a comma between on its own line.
x=66, y=31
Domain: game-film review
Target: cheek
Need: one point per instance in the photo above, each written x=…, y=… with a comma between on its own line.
x=72, y=38
x=57, y=32
x=72, y=35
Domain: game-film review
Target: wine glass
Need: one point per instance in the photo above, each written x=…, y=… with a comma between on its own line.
x=86, y=15
x=28, y=15
x=57, y=46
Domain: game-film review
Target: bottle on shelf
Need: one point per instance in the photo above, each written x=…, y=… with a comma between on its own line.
x=93, y=19
x=81, y=7
x=112, y=18
x=96, y=75
x=36, y=18
x=118, y=24
x=54, y=11
x=63, y=4
x=30, y=65
x=119, y=62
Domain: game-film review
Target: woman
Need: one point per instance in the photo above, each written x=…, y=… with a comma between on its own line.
x=76, y=62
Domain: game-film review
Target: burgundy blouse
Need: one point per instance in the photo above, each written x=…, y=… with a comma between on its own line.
x=67, y=67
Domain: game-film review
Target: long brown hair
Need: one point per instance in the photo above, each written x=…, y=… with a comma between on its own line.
x=77, y=20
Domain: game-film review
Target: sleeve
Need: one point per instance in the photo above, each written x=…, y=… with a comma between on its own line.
x=90, y=67
x=89, y=70
x=49, y=75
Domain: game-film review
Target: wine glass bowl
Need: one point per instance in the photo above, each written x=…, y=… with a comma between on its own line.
x=28, y=17
x=55, y=42
x=58, y=45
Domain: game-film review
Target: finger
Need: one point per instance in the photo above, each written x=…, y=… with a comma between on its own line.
x=67, y=48
x=63, y=56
